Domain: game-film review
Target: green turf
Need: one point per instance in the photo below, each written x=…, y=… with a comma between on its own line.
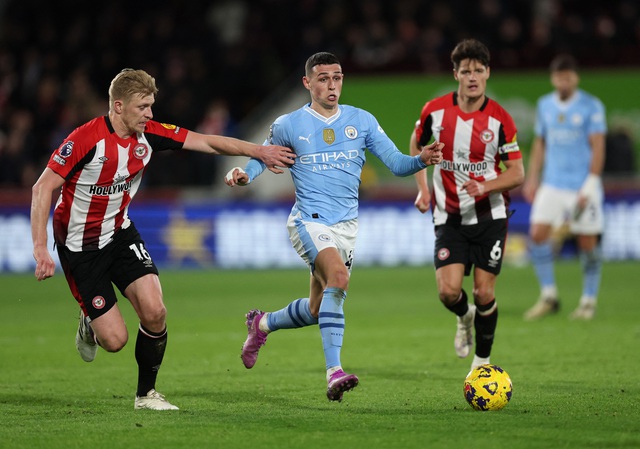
x=575, y=383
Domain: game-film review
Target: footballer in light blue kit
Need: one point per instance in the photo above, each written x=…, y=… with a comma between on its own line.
x=330, y=156
x=569, y=151
x=329, y=141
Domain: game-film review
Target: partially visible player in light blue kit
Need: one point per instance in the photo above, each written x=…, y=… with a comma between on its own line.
x=329, y=141
x=569, y=149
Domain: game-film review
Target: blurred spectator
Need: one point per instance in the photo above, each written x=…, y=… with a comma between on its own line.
x=54, y=57
x=620, y=158
x=17, y=150
x=217, y=120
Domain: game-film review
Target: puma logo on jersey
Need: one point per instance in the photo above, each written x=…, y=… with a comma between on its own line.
x=308, y=138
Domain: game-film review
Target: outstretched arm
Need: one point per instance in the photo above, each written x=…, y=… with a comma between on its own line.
x=402, y=164
x=274, y=157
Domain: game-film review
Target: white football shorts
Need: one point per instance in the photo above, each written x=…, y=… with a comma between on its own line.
x=309, y=238
x=558, y=207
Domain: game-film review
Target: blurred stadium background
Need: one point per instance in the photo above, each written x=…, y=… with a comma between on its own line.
x=232, y=66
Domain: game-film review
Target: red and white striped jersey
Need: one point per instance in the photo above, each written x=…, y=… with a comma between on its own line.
x=102, y=174
x=474, y=145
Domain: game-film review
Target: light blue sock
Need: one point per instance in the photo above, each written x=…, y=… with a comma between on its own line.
x=295, y=315
x=591, y=270
x=331, y=322
x=542, y=259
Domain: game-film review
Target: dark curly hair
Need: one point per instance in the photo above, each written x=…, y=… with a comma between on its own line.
x=470, y=49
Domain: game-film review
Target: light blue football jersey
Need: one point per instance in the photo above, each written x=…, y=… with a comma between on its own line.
x=565, y=128
x=330, y=154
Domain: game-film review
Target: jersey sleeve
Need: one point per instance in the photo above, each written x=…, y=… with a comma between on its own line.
x=384, y=149
x=539, y=127
x=279, y=134
x=508, y=147
x=423, y=126
x=164, y=136
x=597, y=119
x=254, y=168
x=72, y=153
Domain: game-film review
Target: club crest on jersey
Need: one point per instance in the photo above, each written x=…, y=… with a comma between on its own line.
x=66, y=149
x=140, y=151
x=443, y=254
x=576, y=120
x=351, y=132
x=329, y=135
x=98, y=302
x=487, y=136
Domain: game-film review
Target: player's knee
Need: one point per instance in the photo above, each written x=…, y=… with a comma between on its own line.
x=114, y=342
x=591, y=256
x=589, y=245
x=343, y=282
x=537, y=238
x=449, y=295
x=154, y=319
x=340, y=280
x=483, y=295
x=539, y=235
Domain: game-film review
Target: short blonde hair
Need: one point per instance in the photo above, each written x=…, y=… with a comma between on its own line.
x=129, y=83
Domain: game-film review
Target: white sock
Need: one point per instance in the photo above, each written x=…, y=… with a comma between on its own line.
x=587, y=301
x=549, y=291
x=262, y=324
x=332, y=370
x=477, y=361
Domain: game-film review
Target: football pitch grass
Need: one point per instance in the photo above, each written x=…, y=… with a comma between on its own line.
x=576, y=384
